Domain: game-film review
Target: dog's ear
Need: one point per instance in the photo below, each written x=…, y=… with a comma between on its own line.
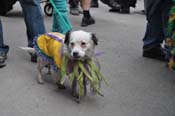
x=94, y=39
x=67, y=37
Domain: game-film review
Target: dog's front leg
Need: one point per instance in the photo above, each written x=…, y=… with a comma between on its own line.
x=85, y=84
x=74, y=88
x=56, y=78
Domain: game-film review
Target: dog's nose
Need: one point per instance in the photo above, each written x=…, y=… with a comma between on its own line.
x=75, y=54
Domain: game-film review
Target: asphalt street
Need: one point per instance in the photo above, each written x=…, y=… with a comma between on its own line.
x=137, y=86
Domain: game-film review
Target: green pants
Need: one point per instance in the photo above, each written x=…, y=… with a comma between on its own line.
x=61, y=22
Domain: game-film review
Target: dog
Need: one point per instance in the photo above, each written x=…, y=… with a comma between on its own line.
x=76, y=45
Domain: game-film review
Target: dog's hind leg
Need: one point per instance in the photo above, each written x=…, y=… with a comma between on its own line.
x=40, y=66
x=49, y=69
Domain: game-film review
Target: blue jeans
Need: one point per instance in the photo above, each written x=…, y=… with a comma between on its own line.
x=3, y=47
x=156, y=26
x=33, y=19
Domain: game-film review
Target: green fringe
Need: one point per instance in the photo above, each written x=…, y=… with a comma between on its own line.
x=92, y=73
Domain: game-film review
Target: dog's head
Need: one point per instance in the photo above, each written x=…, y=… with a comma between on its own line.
x=80, y=44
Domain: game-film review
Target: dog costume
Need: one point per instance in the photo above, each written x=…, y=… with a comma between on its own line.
x=49, y=48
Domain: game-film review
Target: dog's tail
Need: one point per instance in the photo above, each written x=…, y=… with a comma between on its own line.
x=28, y=49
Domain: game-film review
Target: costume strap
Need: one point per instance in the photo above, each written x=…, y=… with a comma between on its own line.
x=54, y=37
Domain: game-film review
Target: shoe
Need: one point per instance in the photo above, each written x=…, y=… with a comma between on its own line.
x=33, y=58
x=114, y=4
x=3, y=57
x=125, y=10
x=87, y=21
x=94, y=4
x=114, y=10
x=80, y=11
x=74, y=11
x=157, y=53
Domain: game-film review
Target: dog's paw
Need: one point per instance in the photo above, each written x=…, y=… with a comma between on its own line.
x=60, y=86
x=40, y=81
x=76, y=96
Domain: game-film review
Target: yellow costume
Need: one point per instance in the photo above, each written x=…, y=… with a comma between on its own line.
x=48, y=47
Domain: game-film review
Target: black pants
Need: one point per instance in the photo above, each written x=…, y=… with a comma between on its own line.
x=94, y=1
x=122, y=3
x=127, y=3
x=74, y=3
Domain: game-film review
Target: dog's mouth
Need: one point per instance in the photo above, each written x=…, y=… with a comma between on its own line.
x=76, y=57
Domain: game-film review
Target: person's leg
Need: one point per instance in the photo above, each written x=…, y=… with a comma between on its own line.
x=63, y=24
x=125, y=6
x=152, y=40
x=87, y=19
x=3, y=48
x=156, y=26
x=74, y=7
x=94, y=3
x=115, y=5
x=156, y=33
x=73, y=3
x=33, y=19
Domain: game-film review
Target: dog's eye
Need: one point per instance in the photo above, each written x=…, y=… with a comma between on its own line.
x=83, y=44
x=72, y=44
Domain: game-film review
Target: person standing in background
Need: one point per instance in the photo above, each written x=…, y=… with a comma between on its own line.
x=85, y=5
x=34, y=24
x=87, y=18
x=157, y=14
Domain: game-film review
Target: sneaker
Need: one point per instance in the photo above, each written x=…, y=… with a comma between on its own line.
x=114, y=4
x=3, y=57
x=114, y=10
x=157, y=53
x=125, y=10
x=87, y=21
x=74, y=11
